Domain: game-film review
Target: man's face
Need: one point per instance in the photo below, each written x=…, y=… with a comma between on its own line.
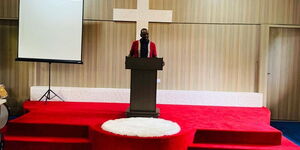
x=145, y=34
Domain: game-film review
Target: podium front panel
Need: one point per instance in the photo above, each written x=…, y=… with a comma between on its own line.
x=143, y=90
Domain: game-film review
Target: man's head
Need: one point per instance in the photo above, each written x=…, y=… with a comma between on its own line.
x=144, y=34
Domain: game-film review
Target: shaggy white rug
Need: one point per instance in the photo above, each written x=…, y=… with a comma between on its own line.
x=142, y=127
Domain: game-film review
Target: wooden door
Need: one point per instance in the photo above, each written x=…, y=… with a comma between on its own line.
x=284, y=74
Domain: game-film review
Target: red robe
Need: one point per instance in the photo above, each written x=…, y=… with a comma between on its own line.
x=136, y=49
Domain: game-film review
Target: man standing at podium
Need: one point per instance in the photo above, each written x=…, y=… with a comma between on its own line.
x=143, y=83
x=143, y=48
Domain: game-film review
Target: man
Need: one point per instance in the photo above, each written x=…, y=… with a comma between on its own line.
x=143, y=48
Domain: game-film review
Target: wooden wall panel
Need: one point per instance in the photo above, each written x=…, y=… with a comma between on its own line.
x=232, y=11
x=284, y=73
x=103, y=9
x=263, y=61
x=208, y=11
x=207, y=57
x=9, y=8
x=13, y=74
x=280, y=11
x=194, y=11
x=198, y=57
x=211, y=11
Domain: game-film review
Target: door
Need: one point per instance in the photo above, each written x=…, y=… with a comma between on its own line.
x=284, y=73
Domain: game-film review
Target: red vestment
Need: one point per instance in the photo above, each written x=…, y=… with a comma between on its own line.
x=135, y=50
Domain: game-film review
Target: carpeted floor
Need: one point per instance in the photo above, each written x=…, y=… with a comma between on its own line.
x=290, y=130
x=76, y=126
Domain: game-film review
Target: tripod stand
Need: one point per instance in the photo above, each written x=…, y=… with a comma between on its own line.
x=47, y=95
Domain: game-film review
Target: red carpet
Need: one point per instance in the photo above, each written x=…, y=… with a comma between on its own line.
x=76, y=126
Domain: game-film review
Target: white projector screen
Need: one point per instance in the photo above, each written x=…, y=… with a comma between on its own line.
x=50, y=31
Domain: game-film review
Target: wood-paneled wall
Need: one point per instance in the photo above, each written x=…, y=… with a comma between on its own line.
x=13, y=74
x=193, y=11
x=284, y=73
x=209, y=11
x=210, y=45
x=197, y=57
x=208, y=57
x=9, y=8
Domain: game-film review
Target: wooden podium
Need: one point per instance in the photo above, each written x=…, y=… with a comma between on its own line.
x=143, y=86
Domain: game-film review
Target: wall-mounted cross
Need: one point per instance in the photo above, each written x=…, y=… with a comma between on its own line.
x=142, y=15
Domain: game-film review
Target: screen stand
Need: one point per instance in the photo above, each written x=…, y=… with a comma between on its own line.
x=47, y=95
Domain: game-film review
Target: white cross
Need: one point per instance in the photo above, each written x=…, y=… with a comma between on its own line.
x=142, y=15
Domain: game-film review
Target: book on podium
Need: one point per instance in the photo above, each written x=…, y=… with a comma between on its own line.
x=143, y=86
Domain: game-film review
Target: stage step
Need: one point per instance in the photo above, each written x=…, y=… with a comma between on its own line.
x=266, y=137
x=230, y=147
x=47, y=130
x=45, y=143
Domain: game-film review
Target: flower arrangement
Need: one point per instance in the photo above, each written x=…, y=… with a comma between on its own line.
x=3, y=93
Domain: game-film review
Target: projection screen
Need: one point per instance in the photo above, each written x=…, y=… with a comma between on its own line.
x=50, y=31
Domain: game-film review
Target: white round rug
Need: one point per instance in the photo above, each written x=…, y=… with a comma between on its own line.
x=142, y=127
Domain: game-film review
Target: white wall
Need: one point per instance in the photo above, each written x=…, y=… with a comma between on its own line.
x=243, y=99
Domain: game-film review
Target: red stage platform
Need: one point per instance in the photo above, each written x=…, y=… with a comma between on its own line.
x=76, y=126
